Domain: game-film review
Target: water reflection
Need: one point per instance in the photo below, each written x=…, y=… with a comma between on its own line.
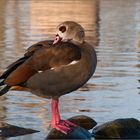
x=113, y=91
x=24, y=23
x=62, y=11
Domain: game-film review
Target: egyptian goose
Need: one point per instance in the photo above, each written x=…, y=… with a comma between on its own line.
x=51, y=69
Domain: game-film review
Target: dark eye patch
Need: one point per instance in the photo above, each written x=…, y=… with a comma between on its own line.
x=62, y=29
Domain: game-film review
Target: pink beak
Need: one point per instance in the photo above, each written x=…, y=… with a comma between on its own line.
x=57, y=39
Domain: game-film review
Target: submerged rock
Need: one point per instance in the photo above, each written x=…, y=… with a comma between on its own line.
x=84, y=123
x=128, y=128
x=7, y=130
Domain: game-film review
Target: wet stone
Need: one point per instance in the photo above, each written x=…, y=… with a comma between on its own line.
x=128, y=128
x=7, y=130
x=76, y=133
x=84, y=124
x=83, y=121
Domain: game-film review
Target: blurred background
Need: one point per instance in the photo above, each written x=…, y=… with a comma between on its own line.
x=112, y=26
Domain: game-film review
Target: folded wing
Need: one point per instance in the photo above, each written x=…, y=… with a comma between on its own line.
x=39, y=57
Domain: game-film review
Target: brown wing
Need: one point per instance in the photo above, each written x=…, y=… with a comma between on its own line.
x=43, y=58
x=30, y=51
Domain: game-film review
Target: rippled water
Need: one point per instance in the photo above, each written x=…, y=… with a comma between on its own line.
x=113, y=92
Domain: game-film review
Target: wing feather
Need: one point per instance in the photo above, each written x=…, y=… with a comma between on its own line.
x=40, y=57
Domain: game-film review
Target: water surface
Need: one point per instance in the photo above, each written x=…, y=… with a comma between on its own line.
x=113, y=92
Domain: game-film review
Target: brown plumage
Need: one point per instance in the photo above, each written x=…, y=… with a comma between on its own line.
x=40, y=57
x=51, y=69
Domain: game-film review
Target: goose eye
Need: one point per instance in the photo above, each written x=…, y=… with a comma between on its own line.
x=62, y=29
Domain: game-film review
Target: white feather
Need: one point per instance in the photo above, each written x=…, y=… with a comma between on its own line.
x=71, y=63
x=40, y=71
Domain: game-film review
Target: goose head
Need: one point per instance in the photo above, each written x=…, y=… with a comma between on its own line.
x=70, y=31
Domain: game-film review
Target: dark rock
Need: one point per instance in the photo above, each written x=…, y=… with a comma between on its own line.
x=77, y=133
x=128, y=128
x=83, y=121
x=7, y=130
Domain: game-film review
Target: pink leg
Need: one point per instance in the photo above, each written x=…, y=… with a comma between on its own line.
x=62, y=125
